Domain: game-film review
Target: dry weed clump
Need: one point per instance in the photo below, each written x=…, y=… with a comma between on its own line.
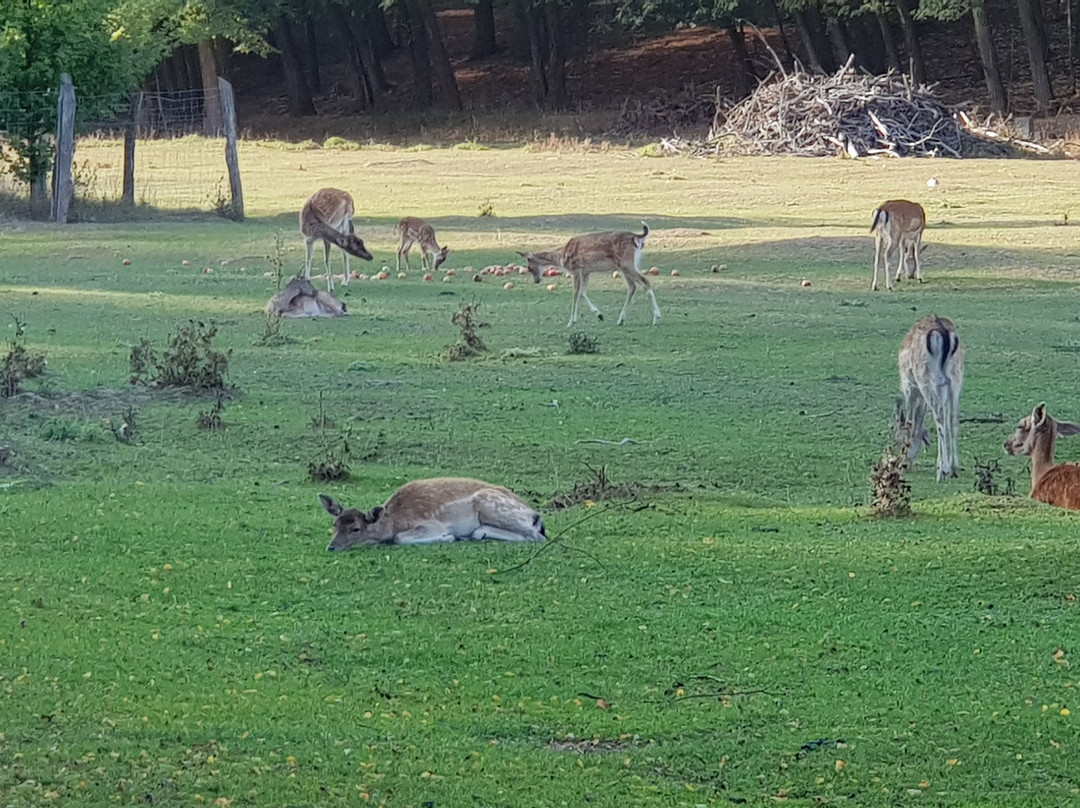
x=19, y=364
x=190, y=361
x=595, y=489
x=891, y=490
x=470, y=345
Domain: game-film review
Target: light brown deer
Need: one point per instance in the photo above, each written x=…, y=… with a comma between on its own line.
x=898, y=225
x=581, y=256
x=327, y=216
x=932, y=375
x=1052, y=483
x=416, y=231
x=441, y=509
x=301, y=299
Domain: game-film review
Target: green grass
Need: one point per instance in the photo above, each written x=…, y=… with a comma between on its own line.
x=173, y=631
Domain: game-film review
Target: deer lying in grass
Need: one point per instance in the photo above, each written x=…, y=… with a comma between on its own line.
x=1052, y=483
x=898, y=225
x=932, y=375
x=442, y=509
x=301, y=299
x=327, y=216
x=416, y=231
x=583, y=255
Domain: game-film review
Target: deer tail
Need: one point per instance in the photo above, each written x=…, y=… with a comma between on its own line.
x=881, y=217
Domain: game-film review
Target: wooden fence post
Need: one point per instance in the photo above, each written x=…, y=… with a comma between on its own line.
x=131, y=132
x=228, y=115
x=63, y=180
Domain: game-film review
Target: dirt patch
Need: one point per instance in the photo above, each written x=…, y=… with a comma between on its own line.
x=600, y=487
x=596, y=746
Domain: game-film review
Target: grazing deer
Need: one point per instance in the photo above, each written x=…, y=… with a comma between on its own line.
x=327, y=215
x=416, y=231
x=932, y=375
x=301, y=299
x=898, y=225
x=1036, y=435
x=583, y=255
x=443, y=509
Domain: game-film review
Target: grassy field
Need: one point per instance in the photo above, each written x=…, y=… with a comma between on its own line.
x=740, y=631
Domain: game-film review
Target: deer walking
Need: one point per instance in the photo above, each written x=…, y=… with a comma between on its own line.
x=898, y=225
x=327, y=217
x=932, y=375
x=416, y=231
x=1036, y=436
x=581, y=256
x=441, y=509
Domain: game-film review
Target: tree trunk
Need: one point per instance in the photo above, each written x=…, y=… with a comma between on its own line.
x=891, y=51
x=378, y=32
x=984, y=39
x=916, y=63
x=189, y=60
x=815, y=40
x=779, y=16
x=300, y=101
x=745, y=76
x=443, y=71
x=211, y=107
x=222, y=51
x=839, y=39
x=484, y=26
x=360, y=82
x=312, y=55
x=532, y=25
x=557, y=95
x=1036, y=49
x=419, y=54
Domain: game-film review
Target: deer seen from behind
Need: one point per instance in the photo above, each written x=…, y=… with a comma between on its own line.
x=931, y=377
x=441, y=509
x=898, y=225
x=1036, y=436
x=581, y=256
x=416, y=231
x=327, y=217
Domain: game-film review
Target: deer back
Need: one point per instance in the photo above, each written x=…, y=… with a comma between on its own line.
x=604, y=251
x=899, y=220
x=330, y=206
x=932, y=355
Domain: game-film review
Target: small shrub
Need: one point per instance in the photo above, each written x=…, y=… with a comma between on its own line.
x=221, y=203
x=71, y=431
x=487, y=208
x=190, y=360
x=333, y=465
x=271, y=334
x=471, y=344
x=124, y=430
x=211, y=419
x=19, y=364
x=582, y=343
x=277, y=259
x=986, y=479
x=888, y=477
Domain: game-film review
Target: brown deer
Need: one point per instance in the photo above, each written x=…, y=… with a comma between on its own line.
x=932, y=375
x=416, y=231
x=1035, y=436
x=301, y=299
x=327, y=216
x=581, y=256
x=442, y=509
x=898, y=225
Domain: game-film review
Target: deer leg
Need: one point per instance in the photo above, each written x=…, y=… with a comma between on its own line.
x=326, y=264
x=900, y=261
x=918, y=259
x=915, y=405
x=631, y=287
x=585, y=296
x=309, y=248
x=574, y=303
x=880, y=260
x=503, y=534
x=426, y=533
x=345, y=281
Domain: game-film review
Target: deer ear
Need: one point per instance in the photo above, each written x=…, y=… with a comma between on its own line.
x=1067, y=428
x=1038, y=415
x=332, y=506
x=376, y=512
x=523, y=255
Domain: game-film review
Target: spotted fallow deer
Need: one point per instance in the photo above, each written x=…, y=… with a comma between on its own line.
x=932, y=375
x=1036, y=435
x=898, y=225
x=581, y=256
x=442, y=509
x=416, y=231
x=327, y=217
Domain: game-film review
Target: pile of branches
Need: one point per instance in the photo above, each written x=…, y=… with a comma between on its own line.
x=665, y=111
x=848, y=113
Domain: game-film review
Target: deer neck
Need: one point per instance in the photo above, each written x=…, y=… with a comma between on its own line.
x=1042, y=457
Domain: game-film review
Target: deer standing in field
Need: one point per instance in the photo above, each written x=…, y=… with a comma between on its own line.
x=416, y=231
x=442, y=509
x=1036, y=436
x=898, y=225
x=932, y=375
x=581, y=256
x=301, y=299
x=327, y=216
